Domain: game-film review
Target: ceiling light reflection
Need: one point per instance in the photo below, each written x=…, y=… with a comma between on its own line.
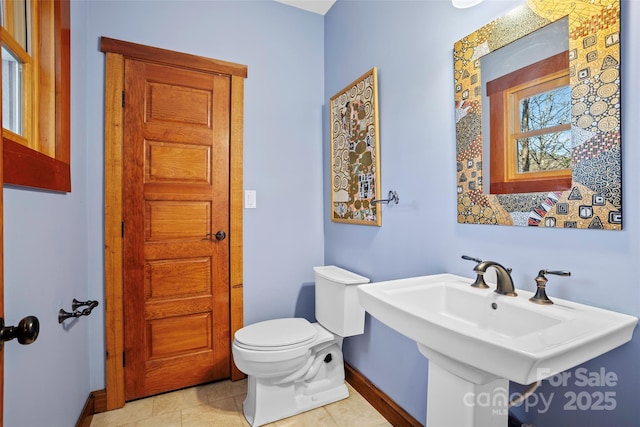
x=461, y=4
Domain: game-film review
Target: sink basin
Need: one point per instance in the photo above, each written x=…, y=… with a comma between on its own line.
x=507, y=337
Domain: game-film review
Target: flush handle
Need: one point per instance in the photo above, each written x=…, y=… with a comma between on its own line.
x=26, y=332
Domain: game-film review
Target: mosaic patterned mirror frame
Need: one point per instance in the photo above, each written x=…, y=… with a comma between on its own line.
x=594, y=200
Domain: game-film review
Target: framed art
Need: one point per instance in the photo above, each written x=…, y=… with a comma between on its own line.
x=498, y=132
x=355, y=152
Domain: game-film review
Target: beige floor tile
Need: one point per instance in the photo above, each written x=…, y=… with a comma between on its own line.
x=219, y=413
x=177, y=400
x=239, y=400
x=314, y=418
x=355, y=412
x=219, y=404
x=131, y=412
x=173, y=419
x=224, y=389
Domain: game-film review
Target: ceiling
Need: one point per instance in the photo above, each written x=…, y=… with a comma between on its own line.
x=317, y=6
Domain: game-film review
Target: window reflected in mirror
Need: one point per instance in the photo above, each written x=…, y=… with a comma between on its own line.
x=544, y=121
x=528, y=113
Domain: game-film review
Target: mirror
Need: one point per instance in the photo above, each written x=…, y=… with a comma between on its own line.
x=586, y=69
x=533, y=73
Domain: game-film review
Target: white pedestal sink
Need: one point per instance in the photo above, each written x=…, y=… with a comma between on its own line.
x=477, y=341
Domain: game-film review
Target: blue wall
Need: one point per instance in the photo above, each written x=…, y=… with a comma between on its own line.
x=46, y=262
x=297, y=60
x=54, y=243
x=411, y=43
x=283, y=49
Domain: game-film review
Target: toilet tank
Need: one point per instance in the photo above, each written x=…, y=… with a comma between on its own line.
x=337, y=306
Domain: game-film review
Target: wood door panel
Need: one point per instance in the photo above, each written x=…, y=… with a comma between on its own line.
x=177, y=220
x=175, y=193
x=178, y=104
x=178, y=133
x=178, y=335
x=177, y=163
x=178, y=307
x=176, y=278
x=162, y=374
x=185, y=248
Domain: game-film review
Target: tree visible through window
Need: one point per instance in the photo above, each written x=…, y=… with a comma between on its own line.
x=543, y=134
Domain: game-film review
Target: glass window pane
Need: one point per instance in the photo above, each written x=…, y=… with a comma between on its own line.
x=551, y=151
x=15, y=19
x=11, y=92
x=546, y=109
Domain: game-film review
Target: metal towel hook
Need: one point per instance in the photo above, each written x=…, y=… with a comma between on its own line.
x=393, y=197
x=75, y=306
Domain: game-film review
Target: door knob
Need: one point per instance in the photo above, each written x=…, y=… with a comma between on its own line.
x=26, y=332
x=220, y=235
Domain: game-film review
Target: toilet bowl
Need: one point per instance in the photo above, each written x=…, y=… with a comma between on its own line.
x=294, y=365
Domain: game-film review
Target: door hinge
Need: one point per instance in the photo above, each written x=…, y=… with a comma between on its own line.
x=122, y=228
x=122, y=99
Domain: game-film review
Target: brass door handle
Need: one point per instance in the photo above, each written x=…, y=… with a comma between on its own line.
x=26, y=332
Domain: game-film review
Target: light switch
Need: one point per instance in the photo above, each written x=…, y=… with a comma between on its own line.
x=249, y=199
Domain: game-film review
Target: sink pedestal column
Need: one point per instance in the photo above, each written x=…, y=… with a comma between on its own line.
x=459, y=395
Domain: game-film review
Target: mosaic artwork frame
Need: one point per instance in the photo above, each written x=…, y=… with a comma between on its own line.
x=594, y=200
x=355, y=152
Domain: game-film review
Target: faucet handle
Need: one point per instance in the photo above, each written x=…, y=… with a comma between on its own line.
x=541, y=281
x=557, y=272
x=470, y=258
x=479, y=283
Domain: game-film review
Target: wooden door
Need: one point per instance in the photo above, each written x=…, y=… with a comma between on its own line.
x=175, y=200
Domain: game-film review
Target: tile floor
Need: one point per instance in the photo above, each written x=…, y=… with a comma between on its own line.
x=220, y=404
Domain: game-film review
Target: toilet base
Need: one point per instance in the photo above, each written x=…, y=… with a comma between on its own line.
x=272, y=399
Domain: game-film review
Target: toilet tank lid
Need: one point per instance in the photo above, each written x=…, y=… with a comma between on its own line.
x=340, y=275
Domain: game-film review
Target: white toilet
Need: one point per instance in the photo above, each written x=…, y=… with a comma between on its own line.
x=293, y=365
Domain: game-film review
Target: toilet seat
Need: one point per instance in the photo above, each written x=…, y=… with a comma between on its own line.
x=276, y=334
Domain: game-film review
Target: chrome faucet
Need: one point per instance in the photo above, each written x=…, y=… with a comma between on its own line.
x=504, y=282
